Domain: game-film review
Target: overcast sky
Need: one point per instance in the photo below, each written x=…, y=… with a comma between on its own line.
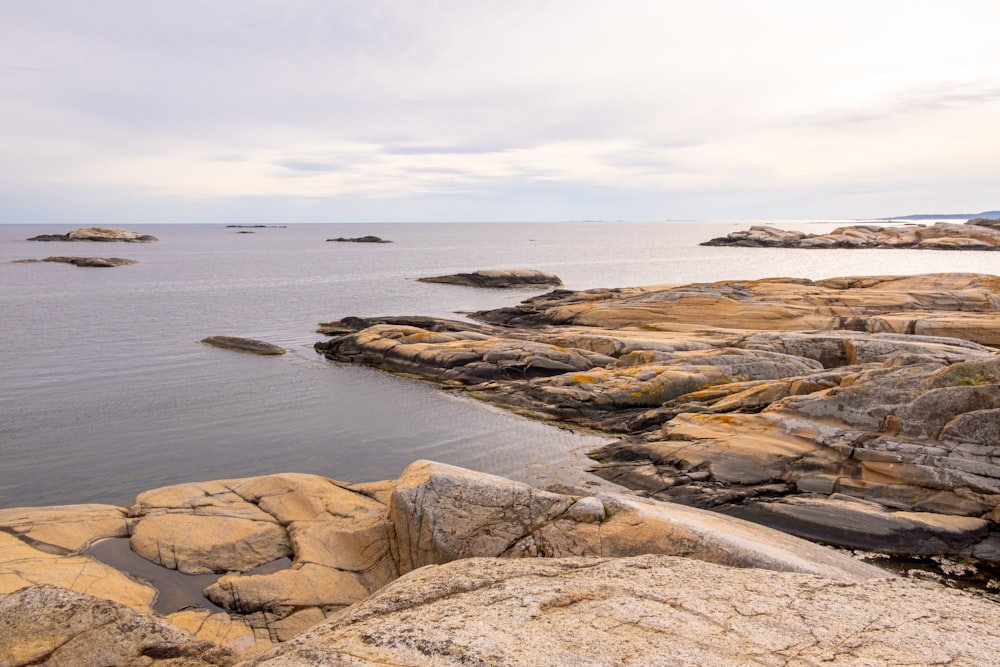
x=121, y=111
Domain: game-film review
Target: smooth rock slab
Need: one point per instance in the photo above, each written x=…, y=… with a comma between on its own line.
x=646, y=611
x=200, y=544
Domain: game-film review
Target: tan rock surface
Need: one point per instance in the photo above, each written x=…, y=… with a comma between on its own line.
x=22, y=565
x=647, y=610
x=65, y=528
x=52, y=626
x=881, y=388
x=976, y=234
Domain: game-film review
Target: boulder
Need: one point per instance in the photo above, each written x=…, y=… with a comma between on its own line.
x=99, y=234
x=645, y=610
x=500, y=278
x=244, y=345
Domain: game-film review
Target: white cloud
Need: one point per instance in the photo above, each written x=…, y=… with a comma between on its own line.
x=389, y=99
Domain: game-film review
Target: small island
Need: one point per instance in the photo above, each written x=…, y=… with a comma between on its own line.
x=97, y=234
x=975, y=234
x=499, y=278
x=95, y=262
x=360, y=239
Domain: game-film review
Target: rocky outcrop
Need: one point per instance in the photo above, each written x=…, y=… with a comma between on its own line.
x=97, y=262
x=976, y=234
x=345, y=542
x=499, y=278
x=867, y=399
x=645, y=610
x=244, y=345
x=360, y=239
x=99, y=234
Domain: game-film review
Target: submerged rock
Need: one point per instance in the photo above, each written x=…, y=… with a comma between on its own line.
x=98, y=234
x=244, y=345
x=498, y=278
x=99, y=262
x=976, y=234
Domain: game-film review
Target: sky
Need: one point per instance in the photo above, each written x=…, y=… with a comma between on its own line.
x=283, y=111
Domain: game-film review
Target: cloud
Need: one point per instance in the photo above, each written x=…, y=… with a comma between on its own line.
x=387, y=100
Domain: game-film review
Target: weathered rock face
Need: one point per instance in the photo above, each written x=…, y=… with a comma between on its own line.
x=244, y=345
x=48, y=625
x=976, y=234
x=499, y=278
x=645, y=610
x=97, y=234
x=875, y=389
x=95, y=262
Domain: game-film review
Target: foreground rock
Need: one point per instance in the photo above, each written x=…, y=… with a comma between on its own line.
x=98, y=234
x=498, y=278
x=862, y=412
x=976, y=234
x=645, y=610
x=343, y=542
x=98, y=262
x=360, y=239
x=48, y=625
x=244, y=345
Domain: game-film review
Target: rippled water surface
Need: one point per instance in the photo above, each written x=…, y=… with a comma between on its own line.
x=105, y=389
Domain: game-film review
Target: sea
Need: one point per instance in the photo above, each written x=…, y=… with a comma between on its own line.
x=107, y=391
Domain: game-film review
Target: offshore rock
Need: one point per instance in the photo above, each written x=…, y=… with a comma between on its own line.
x=360, y=239
x=244, y=345
x=99, y=234
x=97, y=262
x=499, y=278
x=976, y=234
x=880, y=389
x=645, y=610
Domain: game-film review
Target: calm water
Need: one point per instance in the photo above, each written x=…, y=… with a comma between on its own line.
x=105, y=390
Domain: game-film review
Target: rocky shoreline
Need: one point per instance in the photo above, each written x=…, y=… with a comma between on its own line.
x=861, y=412
x=975, y=234
x=446, y=566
